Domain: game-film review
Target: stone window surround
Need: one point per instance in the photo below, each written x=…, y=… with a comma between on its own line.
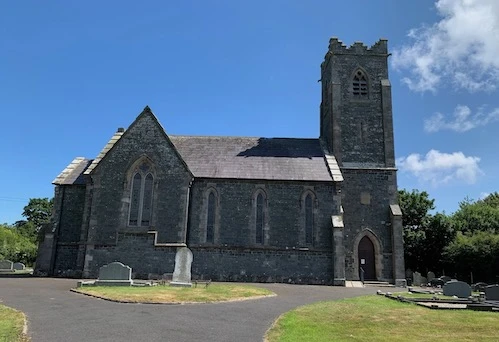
x=253, y=223
x=204, y=221
x=359, y=96
x=315, y=204
x=137, y=168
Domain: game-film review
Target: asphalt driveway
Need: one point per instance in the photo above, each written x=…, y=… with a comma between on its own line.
x=56, y=314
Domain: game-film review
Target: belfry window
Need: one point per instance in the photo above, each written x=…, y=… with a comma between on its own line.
x=141, y=197
x=359, y=85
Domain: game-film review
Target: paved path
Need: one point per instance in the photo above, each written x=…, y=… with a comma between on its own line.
x=56, y=314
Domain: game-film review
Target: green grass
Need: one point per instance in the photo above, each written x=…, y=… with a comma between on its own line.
x=11, y=325
x=376, y=318
x=168, y=294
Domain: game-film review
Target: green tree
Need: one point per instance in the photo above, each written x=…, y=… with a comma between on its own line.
x=416, y=207
x=481, y=215
x=38, y=211
x=16, y=247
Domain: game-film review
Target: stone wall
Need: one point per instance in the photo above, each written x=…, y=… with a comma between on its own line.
x=366, y=202
x=143, y=141
x=284, y=213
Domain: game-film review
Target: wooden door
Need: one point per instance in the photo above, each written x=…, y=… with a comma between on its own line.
x=366, y=258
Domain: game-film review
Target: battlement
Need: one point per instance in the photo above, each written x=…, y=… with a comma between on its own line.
x=336, y=46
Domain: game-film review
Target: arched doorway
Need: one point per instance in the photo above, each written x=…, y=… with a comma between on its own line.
x=366, y=258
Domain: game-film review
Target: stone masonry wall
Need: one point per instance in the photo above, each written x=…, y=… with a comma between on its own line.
x=144, y=140
x=366, y=202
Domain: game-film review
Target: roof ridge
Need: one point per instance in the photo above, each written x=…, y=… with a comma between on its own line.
x=235, y=137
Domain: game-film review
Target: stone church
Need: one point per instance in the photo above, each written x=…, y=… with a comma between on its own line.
x=293, y=210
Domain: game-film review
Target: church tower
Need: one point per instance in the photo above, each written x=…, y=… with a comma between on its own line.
x=356, y=108
x=356, y=127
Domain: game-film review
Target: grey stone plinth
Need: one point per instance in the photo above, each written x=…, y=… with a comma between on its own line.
x=113, y=282
x=339, y=282
x=180, y=284
x=400, y=282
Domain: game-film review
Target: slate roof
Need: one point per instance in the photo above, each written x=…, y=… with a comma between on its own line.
x=254, y=158
x=295, y=159
x=73, y=173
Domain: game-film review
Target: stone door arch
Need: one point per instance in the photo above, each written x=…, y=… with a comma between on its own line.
x=368, y=247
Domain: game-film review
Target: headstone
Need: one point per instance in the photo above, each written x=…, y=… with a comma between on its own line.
x=182, y=272
x=6, y=266
x=115, y=274
x=457, y=288
x=19, y=266
x=418, y=280
x=492, y=292
x=430, y=276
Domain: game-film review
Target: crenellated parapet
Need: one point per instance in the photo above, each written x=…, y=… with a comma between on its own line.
x=336, y=46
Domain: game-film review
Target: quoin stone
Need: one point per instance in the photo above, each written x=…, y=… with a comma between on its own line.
x=492, y=292
x=19, y=266
x=6, y=266
x=182, y=272
x=115, y=273
x=457, y=288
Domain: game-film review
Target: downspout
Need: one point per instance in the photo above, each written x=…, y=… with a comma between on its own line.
x=187, y=207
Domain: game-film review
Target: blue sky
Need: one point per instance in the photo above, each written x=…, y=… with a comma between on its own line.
x=73, y=72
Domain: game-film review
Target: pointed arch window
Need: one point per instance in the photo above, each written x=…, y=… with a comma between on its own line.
x=309, y=219
x=259, y=218
x=359, y=85
x=141, y=197
x=210, y=217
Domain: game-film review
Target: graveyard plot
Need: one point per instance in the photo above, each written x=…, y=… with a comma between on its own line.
x=376, y=318
x=11, y=325
x=215, y=292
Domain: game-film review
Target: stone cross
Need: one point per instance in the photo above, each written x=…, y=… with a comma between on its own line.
x=182, y=272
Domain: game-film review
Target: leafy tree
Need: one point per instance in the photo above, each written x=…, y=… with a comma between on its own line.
x=38, y=211
x=477, y=253
x=415, y=208
x=16, y=247
x=26, y=229
x=481, y=215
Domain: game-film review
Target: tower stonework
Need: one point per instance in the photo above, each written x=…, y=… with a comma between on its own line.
x=356, y=126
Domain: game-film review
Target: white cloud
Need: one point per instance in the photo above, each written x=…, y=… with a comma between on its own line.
x=461, y=48
x=484, y=195
x=461, y=120
x=440, y=168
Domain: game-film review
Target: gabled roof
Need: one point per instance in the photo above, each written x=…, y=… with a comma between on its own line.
x=73, y=173
x=254, y=158
x=104, y=151
x=295, y=159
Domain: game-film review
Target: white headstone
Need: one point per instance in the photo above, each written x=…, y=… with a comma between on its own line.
x=182, y=272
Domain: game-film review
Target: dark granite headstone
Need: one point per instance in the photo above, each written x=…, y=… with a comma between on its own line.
x=115, y=273
x=492, y=292
x=6, y=266
x=19, y=266
x=457, y=288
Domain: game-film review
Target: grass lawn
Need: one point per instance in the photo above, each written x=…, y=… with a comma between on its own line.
x=376, y=318
x=11, y=325
x=168, y=294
